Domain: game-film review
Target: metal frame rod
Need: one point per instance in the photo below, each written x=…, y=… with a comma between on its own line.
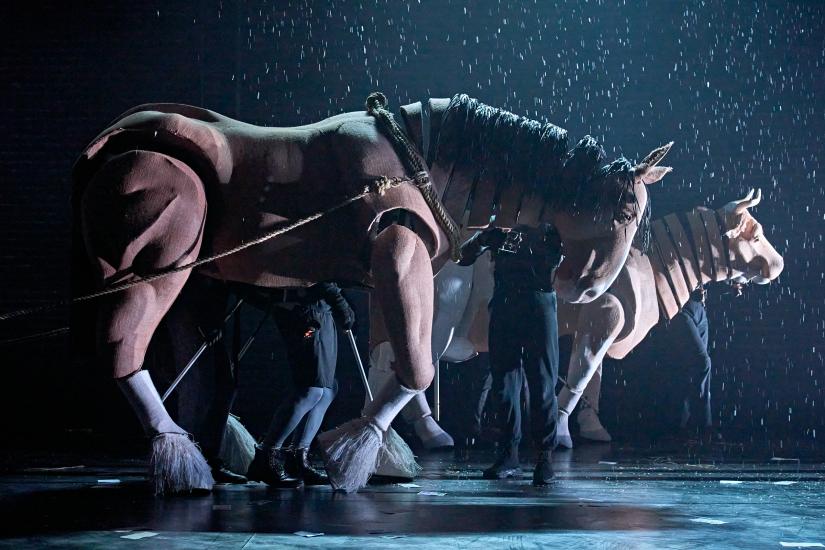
x=198, y=354
x=364, y=379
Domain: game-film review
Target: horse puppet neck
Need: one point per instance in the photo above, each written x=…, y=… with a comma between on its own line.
x=485, y=162
x=687, y=250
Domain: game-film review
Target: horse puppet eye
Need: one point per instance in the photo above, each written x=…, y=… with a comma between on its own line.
x=623, y=217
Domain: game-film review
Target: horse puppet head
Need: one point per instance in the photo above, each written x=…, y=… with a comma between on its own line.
x=497, y=168
x=598, y=226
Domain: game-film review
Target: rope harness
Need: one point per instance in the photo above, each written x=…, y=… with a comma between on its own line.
x=377, y=107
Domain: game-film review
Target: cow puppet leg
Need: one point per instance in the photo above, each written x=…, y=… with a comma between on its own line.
x=404, y=289
x=417, y=412
x=452, y=290
x=599, y=323
x=590, y=427
x=143, y=212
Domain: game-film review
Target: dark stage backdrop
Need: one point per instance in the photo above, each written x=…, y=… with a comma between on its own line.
x=737, y=85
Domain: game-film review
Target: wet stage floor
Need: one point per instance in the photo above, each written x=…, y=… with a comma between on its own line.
x=603, y=499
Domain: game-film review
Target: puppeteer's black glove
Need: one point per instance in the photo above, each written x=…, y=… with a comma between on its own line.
x=492, y=237
x=341, y=311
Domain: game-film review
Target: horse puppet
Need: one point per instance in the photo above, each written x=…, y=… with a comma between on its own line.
x=687, y=250
x=166, y=184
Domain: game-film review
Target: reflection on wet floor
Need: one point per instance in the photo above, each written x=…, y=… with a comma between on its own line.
x=602, y=497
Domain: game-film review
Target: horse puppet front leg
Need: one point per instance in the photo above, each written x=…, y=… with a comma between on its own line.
x=143, y=212
x=404, y=289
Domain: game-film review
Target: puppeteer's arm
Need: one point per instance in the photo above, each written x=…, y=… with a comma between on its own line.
x=480, y=243
x=341, y=310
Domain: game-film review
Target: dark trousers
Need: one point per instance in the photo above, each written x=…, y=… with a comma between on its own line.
x=688, y=366
x=311, y=343
x=308, y=330
x=524, y=341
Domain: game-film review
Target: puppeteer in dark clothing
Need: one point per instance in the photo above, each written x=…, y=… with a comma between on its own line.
x=523, y=339
x=685, y=341
x=306, y=319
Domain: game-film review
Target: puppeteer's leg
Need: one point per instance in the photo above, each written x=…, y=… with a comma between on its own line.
x=687, y=332
x=507, y=382
x=203, y=399
x=404, y=289
x=541, y=368
x=143, y=212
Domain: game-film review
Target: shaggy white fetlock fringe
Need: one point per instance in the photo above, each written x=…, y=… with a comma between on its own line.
x=396, y=459
x=351, y=453
x=177, y=465
x=237, y=447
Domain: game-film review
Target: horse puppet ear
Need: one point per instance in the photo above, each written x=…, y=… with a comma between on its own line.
x=647, y=171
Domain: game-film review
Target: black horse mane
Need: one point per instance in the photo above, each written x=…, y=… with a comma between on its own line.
x=512, y=148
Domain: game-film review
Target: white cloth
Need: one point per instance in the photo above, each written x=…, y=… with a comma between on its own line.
x=145, y=401
x=390, y=399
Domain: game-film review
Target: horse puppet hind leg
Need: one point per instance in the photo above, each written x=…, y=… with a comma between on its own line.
x=599, y=324
x=404, y=289
x=143, y=212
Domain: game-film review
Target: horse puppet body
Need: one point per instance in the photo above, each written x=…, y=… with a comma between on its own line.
x=166, y=184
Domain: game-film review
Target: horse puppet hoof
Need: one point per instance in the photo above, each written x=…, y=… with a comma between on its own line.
x=177, y=466
x=396, y=460
x=350, y=453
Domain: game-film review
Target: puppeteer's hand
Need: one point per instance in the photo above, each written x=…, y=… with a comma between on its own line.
x=341, y=310
x=342, y=313
x=493, y=237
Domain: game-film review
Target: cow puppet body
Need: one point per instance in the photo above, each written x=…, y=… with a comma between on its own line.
x=698, y=247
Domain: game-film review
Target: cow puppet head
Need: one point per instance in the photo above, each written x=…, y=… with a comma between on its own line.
x=754, y=259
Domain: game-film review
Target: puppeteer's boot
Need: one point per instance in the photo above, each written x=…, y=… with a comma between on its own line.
x=506, y=465
x=298, y=466
x=222, y=474
x=269, y=466
x=543, y=475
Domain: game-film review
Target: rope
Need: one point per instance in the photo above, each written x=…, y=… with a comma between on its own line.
x=37, y=336
x=379, y=186
x=377, y=107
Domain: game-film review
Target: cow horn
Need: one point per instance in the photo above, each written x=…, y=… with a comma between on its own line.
x=749, y=201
